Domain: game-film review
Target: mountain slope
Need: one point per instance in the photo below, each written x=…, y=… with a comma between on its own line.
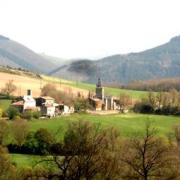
x=159, y=62
x=16, y=55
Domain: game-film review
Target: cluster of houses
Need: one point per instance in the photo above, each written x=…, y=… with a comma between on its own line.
x=45, y=104
x=48, y=107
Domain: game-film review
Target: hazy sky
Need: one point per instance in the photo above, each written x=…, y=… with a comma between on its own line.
x=89, y=28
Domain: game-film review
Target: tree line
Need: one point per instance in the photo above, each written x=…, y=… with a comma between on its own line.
x=158, y=85
x=167, y=103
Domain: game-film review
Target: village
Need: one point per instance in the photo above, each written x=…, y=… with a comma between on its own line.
x=48, y=107
x=44, y=104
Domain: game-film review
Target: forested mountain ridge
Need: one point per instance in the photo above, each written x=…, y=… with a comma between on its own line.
x=159, y=62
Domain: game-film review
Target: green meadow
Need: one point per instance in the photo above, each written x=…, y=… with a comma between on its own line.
x=4, y=104
x=24, y=160
x=128, y=125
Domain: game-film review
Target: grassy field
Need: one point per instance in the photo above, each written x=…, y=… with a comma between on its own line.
x=23, y=160
x=91, y=87
x=129, y=125
x=4, y=104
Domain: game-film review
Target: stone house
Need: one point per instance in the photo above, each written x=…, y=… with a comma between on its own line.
x=47, y=106
x=50, y=108
x=63, y=109
x=25, y=103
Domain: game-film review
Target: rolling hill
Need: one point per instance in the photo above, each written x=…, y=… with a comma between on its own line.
x=16, y=55
x=28, y=80
x=159, y=62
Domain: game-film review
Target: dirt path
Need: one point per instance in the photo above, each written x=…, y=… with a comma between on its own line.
x=24, y=82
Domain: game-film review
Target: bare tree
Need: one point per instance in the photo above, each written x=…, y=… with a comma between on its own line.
x=146, y=158
x=152, y=99
x=159, y=99
x=9, y=88
x=59, y=96
x=46, y=90
x=124, y=101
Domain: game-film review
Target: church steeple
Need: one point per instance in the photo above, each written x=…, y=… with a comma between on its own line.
x=99, y=83
x=99, y=90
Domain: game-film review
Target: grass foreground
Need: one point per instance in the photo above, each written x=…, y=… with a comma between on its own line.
x=127, y=124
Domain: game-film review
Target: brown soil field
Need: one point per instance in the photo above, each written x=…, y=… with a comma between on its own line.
x=23, y=83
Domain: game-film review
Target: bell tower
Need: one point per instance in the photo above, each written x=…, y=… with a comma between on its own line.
x=99, y=90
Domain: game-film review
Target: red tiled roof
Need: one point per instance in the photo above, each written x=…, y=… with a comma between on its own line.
x=18, y=103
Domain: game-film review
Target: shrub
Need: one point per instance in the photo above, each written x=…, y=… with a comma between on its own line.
x=12, y=112
x=20, y=130
x=81, y=105
x=170, y=110
x=31, y=144
x=36, y=114
x=4, y=114
x=143, y=107
x=17, y=117
x=27, y=115
x=40, y=142
x=57, y=148
x=44, y=139
x=31, y=114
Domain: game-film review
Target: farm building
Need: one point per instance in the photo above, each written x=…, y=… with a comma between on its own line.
x=45, y=104
x=64, y=109
x=25, y=103
x=48, y=107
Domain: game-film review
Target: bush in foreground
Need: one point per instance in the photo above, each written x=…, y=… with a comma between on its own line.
x=12, y=112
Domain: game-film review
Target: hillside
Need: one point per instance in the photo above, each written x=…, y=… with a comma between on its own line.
x=86, y=87
x=28, y=80
x=24, y=81
x=160, y=62
x=16, y=55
